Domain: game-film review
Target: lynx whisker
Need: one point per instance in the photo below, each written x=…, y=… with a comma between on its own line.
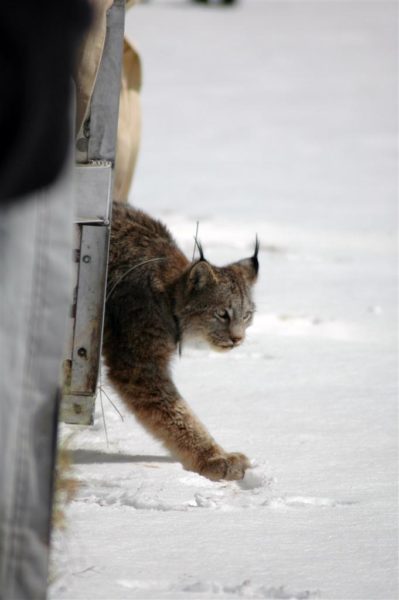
x=144, y=262
x=101, y=387
x=104, y=421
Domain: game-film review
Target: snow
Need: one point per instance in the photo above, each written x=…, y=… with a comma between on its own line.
x=275, y=118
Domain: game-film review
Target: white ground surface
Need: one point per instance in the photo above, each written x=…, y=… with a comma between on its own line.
x=276, y=118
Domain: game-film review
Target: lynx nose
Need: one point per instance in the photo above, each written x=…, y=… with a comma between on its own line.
x=237, y=334
x=237, y=339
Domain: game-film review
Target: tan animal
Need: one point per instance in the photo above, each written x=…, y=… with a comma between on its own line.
x=156, y=298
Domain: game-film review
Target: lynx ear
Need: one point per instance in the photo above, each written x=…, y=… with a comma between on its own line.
x=201, y=275
x=249, y=267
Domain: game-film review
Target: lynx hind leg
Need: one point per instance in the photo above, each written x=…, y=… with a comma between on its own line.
x=228, y=466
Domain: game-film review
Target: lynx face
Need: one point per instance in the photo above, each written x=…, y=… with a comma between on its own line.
x=219, y=305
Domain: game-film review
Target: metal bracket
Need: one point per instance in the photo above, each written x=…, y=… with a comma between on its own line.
x=94, y=184
x=81, y=370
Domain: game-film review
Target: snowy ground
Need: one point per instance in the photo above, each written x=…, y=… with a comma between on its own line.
x=277, y=118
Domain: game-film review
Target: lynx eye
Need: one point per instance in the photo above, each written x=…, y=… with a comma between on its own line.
x=247, y=316
x=222, y=315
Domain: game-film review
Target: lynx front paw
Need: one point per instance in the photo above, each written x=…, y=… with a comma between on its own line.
x=229, y=466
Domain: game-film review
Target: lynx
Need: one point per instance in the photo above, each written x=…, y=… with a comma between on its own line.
x=157, y=298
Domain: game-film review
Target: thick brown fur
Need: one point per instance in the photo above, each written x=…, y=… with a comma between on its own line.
x=156, y=298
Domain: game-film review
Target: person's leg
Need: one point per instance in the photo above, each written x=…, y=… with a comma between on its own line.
x=35, y=261
x=129, y=123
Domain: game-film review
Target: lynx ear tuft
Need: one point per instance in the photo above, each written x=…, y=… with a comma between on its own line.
x=201, y=275
x=254, y=258
x=249, y=267
x=200, y=249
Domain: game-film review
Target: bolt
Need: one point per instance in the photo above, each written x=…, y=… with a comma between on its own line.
x=82, y=352
x=86, y=258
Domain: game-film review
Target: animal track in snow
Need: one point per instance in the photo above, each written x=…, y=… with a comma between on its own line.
x=192, y=492
x=212, y=589
x=167, y=491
